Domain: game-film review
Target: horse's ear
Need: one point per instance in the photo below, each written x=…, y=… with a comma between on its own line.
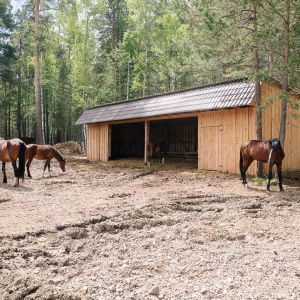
x=270, y=142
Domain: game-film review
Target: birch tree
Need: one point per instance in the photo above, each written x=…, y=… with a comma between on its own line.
x=38, y=99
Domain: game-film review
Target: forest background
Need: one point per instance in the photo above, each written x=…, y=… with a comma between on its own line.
x=91, y=52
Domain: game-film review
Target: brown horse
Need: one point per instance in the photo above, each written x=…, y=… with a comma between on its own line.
x=10, y=151
x=44, y=152
x=157, y=148
x=269, y=152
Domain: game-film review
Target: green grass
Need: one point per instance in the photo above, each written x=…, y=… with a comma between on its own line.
x=264, y=180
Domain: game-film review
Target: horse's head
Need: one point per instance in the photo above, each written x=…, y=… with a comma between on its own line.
x=62, y=165
x=274, y=144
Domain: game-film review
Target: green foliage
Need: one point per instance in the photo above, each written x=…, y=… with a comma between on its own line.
x=95, y=52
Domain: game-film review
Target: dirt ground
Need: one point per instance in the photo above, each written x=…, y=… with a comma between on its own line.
x=121, y=230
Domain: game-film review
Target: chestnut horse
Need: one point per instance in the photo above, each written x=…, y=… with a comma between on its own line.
x=157, y=148
x=269, y=152
x=44, y=152
x=10, y=151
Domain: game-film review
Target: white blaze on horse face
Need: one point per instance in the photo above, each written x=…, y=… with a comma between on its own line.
x=270, y=155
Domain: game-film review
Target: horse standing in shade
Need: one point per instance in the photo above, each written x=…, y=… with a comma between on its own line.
x=10, y=151
x=269, y=152
x=44, y=152
x=157, y=148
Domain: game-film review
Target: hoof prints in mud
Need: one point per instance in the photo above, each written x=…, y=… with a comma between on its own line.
x=252, y=208
x=28, y=291
x=149, y=172
x=187, y=207
x=136, y=221
x=207, y=199
x=198, y=202
x=4, y=200
x=82, y=224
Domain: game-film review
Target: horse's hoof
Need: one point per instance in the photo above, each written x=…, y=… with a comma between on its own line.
x=281, y=190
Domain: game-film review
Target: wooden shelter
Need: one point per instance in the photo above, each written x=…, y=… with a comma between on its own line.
x=210, y=122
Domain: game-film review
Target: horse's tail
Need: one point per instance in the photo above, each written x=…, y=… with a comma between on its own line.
x=241, y=162
x=22, y=159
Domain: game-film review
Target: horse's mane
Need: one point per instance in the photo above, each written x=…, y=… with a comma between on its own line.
x=58, y=153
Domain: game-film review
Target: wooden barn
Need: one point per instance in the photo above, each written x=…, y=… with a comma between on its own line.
x=210, y=122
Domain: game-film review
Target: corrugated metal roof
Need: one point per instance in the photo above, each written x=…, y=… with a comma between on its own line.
x=230, y=94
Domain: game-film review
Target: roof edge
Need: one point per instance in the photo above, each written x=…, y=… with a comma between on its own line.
x=243, y=79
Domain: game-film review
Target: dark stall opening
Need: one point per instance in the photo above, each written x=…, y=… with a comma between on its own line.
x=181, y=136
x=127, y=140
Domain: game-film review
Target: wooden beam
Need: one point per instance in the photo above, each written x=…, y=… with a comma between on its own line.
x=147, y=129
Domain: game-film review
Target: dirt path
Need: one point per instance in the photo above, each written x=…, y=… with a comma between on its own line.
x=120, y=230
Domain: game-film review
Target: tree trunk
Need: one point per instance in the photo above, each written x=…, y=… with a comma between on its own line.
x=5, y=112
x=38, y=100
x=19, y=76
x=285, y=73
x=260, y=171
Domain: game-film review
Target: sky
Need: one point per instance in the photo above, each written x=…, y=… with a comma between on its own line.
x=16, y=4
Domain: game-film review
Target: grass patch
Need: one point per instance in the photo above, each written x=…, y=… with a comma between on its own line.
x=264, y=180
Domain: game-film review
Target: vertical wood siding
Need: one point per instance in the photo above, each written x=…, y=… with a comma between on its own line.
x=271, y=125
x=98, y=141
x=221, y=134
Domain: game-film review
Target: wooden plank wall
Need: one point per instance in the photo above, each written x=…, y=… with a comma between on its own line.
x=271, y=125
x=98, y=141
x=220, y=136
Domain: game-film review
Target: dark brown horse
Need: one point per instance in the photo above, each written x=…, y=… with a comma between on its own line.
x=44, y=152
x=156, y=148
x=269, y=152
x=10, y=151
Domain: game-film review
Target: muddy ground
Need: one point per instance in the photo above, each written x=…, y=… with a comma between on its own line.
x=121, y=230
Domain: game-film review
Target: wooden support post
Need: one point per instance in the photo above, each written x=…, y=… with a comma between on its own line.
x=109, y=143
x=147, y=129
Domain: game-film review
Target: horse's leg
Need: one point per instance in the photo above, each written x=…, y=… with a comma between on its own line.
x=163, y=157
x=148, y=158
x=245, y=168
x=28, y=165
x=269, y=177
x=149, y=155
x=16, y=172
x=4, y=172
x=49, y=171
x=280, y=176
x=243, y=173
x=45, y=166
x=244, y=165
